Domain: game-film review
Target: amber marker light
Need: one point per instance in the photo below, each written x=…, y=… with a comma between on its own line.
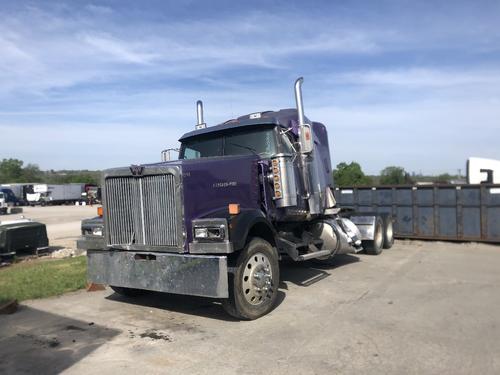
x=234, y=208
x=99, y=211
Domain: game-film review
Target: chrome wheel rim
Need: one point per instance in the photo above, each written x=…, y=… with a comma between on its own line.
x=257, y=279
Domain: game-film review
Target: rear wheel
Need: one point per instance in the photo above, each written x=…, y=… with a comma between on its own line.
x=127, y=292
x=388, y=232
x=254, y=287
x=375, y=246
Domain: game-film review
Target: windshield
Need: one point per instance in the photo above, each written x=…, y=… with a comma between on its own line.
x=1, y=195
x=260, y=142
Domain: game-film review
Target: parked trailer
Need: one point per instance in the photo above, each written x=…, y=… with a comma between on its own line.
x=20, y=190
x=215, y=223
x=438, y=212
x=481, y=170
x=55, y=194
x=3, y=204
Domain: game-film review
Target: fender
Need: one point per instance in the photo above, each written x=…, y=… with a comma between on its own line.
x=241, y=224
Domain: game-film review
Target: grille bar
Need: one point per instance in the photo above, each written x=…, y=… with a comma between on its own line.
x=143, y=210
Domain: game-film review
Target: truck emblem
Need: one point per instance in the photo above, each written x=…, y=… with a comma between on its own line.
x=136, y=170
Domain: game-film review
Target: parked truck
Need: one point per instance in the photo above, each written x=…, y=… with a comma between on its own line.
x=44, y=194
x=243, y=195
x=19, y=190
x=4, y=207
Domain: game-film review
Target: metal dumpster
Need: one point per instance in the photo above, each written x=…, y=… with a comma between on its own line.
x=438, y=212
x=21, y=235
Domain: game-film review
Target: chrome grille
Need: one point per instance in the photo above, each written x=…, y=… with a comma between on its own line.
x=143, y=211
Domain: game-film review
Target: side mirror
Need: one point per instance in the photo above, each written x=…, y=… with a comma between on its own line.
x=306, y=139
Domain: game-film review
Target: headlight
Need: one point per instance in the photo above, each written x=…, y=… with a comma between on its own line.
x=209, y=229
x=97, y=231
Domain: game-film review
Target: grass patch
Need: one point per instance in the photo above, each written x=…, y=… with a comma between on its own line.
x=42, y=278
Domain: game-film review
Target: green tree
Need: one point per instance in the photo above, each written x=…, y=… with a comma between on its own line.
x=443, y=178
x=395, y=176
x=11, y=170
x=350, y=175
x=32, y=173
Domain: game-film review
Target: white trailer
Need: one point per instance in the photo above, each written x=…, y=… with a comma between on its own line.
x=480, y=170
x=55, y=194
x=3, y=204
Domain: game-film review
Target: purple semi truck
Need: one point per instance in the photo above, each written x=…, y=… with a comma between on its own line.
x=216, y=222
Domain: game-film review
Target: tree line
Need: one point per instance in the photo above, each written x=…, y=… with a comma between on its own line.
x=352, y=175
x=14, y=171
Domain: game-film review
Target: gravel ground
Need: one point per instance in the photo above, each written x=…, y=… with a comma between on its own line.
x=419, y=308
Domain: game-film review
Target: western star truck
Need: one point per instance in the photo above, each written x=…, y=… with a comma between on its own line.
x=243, y=195
x=44, y=194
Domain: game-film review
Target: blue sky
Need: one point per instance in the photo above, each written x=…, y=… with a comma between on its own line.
x=101, y=84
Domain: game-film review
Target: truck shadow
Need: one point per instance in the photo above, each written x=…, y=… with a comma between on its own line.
x=302, y=274
x=38, y=342
x=191, y=305
x=308, y=273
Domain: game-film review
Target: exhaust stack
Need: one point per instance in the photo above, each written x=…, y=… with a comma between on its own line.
x=305, y=134
x=298, y=100
x=309, y=167
x=199, y=115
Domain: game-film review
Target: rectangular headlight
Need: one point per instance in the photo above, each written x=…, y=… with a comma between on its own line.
x=209, y=229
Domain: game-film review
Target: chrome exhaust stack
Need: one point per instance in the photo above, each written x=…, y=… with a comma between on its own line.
x=298, y=100
x=309, y=167
x=305, y=134
x=199, y=115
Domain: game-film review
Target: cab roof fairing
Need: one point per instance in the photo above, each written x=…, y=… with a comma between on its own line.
x=286, y=118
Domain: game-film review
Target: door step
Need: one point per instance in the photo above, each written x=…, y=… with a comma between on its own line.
x=313, y=255
x=292, y=246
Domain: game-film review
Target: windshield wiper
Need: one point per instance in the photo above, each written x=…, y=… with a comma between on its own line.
x=245, y=147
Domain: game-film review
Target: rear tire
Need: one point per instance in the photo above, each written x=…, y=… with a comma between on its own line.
x=127, y=292
x=388, y=232
x=375, y=246
x=254, y=286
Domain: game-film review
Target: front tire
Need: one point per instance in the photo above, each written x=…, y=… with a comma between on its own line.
x=375, y=246
x=253, y=289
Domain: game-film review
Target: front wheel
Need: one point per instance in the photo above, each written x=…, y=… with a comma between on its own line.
x=254, y=287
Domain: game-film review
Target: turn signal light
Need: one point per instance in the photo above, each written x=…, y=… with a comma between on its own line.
x=99, y=211
x=234, y=208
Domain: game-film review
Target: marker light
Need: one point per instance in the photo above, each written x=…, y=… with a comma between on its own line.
x=276, y=178
x=234, y=208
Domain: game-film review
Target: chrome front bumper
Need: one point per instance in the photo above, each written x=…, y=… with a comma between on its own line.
x=198, y=275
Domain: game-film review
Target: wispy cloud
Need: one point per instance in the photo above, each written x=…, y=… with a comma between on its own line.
x=422, y=77
x=119, y=50
x=400, y=79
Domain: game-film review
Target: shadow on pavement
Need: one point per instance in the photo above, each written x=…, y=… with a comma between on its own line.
x=301, y=274
x=37, y=342
x=191, y=305
x=308, y=273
